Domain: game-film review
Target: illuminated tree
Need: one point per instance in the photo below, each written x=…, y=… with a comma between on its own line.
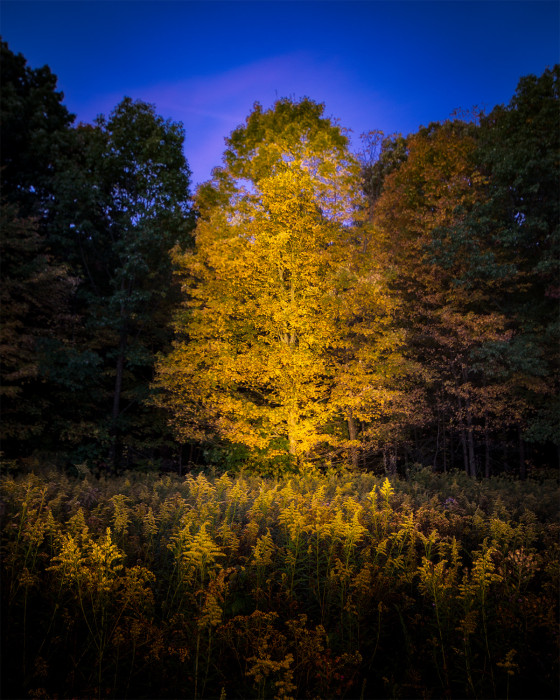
x=262, y=344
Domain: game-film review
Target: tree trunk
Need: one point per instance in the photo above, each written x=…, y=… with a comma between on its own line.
x=470, y=436
x=123, y=342
x=290, y=339
x=390, y=461
x=444, y=446
x=486, y=448
x=522, y=463
x=465, y=455
x=434, y=461
x=116, y=446
x=466, y=463
x=470, y=444
x=119, y=375
x=353, y=434
x=292, y=443
x=393, y=462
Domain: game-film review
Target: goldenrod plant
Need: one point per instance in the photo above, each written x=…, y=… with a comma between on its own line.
x=313, y=586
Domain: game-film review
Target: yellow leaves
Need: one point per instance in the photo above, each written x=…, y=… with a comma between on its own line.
x=508, y=663
x=34, y=529
x=264, y=549
x=214, y=596
x=468, y=624
x=136, y=583
x=263, y=503
x=314, y=543
x=85, y=562
x=263, y=666
x=435, y=578
x=361, y=583
x=238, y=493
x=202, y=552
x=69, y=560
x=150, y=524
x=259, y=365
x=348, y=532
x=293, y=519
x=211, y=612
x=27, y=579
x=121, y=516
x=199, y=487
x=355, y=530
x=518, y=569
x=501, y=532
x=387, y=491
x=228, y=539
x=103, y=555
x=77, y=523
x=483, y=575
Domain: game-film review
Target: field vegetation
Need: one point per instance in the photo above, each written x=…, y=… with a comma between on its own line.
x=310, y=586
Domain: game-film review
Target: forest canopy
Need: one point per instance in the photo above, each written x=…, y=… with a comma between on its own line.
x=307, y=306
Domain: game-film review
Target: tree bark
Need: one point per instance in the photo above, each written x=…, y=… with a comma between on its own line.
x=486, y=448
x=522, y=463
x=470, y=444
x=393, y=462
x=444, y=446
x=116, y=447
x=470, y=436
x=390, y=461
x=119, y=375
x=466, y=463
x=465, y=455
x=119, y=372
x=353, y=434
x=434, y=461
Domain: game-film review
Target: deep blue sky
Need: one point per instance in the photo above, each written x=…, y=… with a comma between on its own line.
x=377, y=65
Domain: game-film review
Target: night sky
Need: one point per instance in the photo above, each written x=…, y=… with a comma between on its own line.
x=392, y=66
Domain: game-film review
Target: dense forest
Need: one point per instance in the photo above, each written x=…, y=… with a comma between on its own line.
x=308, y=305
x=292, y=435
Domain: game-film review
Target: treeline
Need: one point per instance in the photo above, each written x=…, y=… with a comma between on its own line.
x=89, y=214
x=306, y=306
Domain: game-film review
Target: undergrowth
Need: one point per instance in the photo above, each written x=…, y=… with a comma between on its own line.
x=314, y=586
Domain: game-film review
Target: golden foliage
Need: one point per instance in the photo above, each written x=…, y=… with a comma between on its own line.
x=278, y=588
x=263, y=356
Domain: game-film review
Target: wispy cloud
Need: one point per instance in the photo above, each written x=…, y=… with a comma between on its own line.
x=211, y=106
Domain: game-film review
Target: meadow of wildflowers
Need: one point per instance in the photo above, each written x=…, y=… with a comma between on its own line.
x=312, y=586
